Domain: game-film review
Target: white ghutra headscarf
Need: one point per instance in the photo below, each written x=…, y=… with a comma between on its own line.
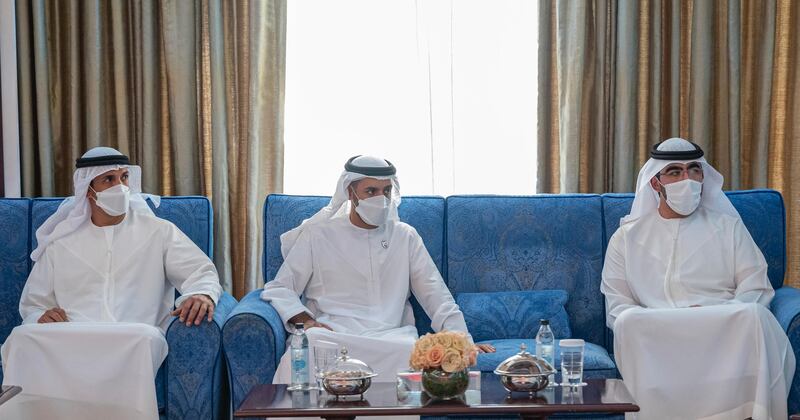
x=358, y=167
x=677, y=150
x=75, y=211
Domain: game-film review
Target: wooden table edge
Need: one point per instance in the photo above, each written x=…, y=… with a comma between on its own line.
x=533, y=409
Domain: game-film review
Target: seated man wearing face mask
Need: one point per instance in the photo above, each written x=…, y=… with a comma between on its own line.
x=687, y=297
x=355, y=264
x=98, y=299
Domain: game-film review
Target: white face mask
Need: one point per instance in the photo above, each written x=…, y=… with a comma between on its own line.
x=683, y=196
x=114, y=201
x=374, y=210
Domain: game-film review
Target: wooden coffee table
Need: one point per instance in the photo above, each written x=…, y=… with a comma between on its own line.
x=382, y=399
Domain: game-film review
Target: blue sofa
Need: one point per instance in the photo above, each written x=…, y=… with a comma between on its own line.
x=503, y=243
x=190, y=383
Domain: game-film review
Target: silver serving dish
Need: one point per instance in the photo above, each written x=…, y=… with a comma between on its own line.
x=524, y=372
x=347, y=376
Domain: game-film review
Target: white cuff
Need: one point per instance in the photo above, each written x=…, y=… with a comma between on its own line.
x=34, y=316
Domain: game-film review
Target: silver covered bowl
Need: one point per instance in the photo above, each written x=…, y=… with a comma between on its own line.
x=347, y=376
x=524, y=372
x=347, y=382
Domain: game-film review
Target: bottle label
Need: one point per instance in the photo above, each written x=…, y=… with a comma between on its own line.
x=300, y=375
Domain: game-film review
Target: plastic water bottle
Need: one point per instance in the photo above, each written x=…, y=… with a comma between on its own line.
x=545, y=345
x=299, y=346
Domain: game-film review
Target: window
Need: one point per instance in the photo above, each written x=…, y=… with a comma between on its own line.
x=446, y=90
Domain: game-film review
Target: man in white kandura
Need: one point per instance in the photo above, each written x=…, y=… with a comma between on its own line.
x=687, y=297
x=98, y=300
x=356, y=264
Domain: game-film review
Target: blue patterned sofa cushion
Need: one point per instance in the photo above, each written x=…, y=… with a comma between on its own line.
x=500, y=315
x=546, y=242
x=755, y=206
x=285, y=212
x=595, y=357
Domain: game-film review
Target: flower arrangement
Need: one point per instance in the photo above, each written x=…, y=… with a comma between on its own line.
x=447, y=351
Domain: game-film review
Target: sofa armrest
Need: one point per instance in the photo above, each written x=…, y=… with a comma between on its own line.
x=254, y=340
x=195, y=369
x=786, y=308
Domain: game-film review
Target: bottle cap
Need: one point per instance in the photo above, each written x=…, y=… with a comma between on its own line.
x=544, y=322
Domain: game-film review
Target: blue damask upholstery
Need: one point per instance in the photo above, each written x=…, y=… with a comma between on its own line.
x=546, y=242
x=786, y=307
x=281, y=214
x=14, y=261
x=196, y=375
x=763, y=214
x=190, y=383
x=501, y=315
x=254, y=340
x=254, y=336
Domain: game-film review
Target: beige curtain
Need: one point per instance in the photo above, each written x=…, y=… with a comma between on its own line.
x=191, y=90
x=619, y=76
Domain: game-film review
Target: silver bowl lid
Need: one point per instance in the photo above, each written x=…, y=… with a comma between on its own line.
x=524, y=364
x=345, y=367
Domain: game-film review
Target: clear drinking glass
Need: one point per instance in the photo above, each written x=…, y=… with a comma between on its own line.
x=572, y=362
x=572, y=395
x=324, y=355
x=409, y=386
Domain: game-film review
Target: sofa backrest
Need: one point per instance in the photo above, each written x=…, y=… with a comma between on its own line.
x=193, y=215
x=20, y=217
x=14, y=260
x=762, y=212
x=501, y=243
x=284, y=212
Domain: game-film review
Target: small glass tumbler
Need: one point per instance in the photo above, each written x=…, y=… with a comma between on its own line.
x=572, y=362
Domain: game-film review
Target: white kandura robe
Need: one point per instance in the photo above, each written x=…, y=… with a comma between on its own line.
x=358, y=282
x=728, y=359
x=117, y=286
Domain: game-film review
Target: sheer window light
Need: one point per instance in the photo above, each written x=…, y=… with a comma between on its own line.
x=446, y=90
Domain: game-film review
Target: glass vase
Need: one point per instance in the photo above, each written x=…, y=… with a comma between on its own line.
x=444, y=385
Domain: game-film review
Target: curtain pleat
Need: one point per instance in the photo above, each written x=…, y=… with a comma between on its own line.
x=723, y=74
x=192, y=91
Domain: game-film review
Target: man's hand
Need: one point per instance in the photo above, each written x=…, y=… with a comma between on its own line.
x=53, y=315
x=194, y=308
x=307, y=321
x=311, y=323
x=485, y=348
